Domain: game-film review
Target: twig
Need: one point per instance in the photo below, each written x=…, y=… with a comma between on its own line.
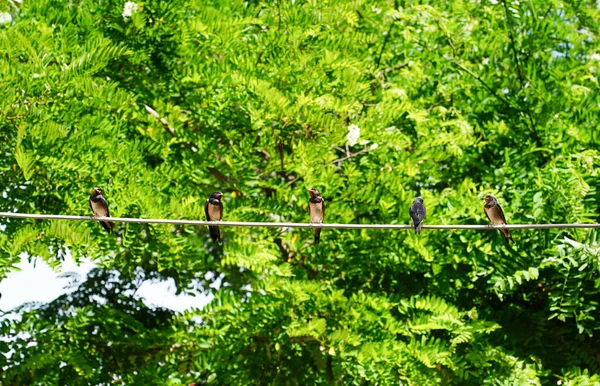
x=491, y=90
x=365, y=150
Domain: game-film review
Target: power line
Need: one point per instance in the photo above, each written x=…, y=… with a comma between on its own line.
x=291, y=225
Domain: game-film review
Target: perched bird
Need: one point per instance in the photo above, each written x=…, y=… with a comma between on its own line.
x=417, y=213
x=316, y=210
x=99, y=208
x=214, y=212
x=494, y=213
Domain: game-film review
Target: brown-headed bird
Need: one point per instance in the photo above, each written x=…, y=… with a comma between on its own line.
x=99, y=208
x=417, y=213
x=214, y=212
x=494, y=213
x=316, y=210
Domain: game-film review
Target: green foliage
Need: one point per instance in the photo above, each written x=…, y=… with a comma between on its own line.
x=453, y=100
x=94, y=335
x=574, y=290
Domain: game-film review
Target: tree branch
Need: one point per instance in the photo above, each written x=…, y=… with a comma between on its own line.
x=302, y=339
x=491, y=90
x=365, y=150
x=513, y=47
x=512, y=43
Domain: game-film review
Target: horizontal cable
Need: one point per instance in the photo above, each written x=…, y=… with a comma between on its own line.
x=289, y=224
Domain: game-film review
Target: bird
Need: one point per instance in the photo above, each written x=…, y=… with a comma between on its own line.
x=417, y=213
x=214, y=212
x=494, y=213
x=99, y=208
x=316, y=210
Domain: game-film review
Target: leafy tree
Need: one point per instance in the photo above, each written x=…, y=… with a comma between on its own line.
x=96, y=334
x=165, y=105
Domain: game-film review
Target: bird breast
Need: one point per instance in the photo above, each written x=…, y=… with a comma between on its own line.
x=495, y=216
x=316, y=213
x=214, y=212
x=99, y=209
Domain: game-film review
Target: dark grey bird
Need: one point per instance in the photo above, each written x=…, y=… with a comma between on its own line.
x=417, y=213
x=214, y=212
x=494, y=213
x=316, y=210
x=99, y=208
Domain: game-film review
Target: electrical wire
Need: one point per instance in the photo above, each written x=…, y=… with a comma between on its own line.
x=292, y=225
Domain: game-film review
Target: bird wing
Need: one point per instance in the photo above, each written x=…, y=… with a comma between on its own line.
x=206, y=211
x=323, y=207
x=417, y=214
x=105, y=205
x=501, y=213
x=421, y=213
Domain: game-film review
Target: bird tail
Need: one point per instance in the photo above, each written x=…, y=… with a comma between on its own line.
x=215, y=233
x=418, y=228
x=107, y=225
x=507, y=236
x=317, y=235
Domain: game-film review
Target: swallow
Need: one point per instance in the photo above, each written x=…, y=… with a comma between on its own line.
x=99, y=208
x=214, y=212
x=316, y=210
x=494, y=213
x=417, y=213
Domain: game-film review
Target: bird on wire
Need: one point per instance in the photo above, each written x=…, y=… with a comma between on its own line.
x=417, y=214
x=495, y=214
x=214, y=212
x=99, y=208
x=316, y=210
